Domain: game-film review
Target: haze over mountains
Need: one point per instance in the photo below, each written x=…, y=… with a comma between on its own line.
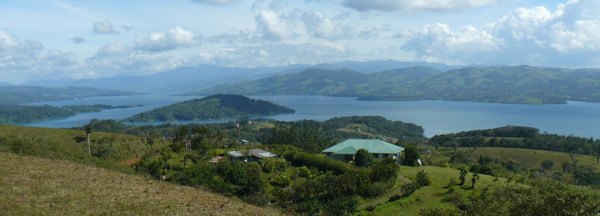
x=187, y=79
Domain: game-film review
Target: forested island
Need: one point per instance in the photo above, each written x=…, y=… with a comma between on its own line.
x=18, y=114
x=520, y=85
x=12, y=94
x=221, y=106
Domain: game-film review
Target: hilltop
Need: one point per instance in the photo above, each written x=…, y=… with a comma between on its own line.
x=221, y=106
x=520, y=84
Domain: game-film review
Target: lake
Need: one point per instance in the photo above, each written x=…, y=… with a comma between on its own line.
x=437, y=117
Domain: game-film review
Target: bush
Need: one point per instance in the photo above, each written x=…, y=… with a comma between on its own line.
x=395, y=197
x=371, y=208
x=322, y=163
x=410, y=155
x=422, y=179
x=304, y=172
x=281, y=181
x=363, y=158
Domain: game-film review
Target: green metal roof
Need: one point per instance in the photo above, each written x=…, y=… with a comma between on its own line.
x=348, y=150
x=371, y=145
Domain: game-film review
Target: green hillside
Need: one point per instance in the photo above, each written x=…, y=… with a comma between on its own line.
x=18, y=114
x=30, y=94
x=520, y=84
x=221, y=106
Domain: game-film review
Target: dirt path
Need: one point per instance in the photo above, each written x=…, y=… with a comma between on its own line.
x=130, y=162
x=387, y=196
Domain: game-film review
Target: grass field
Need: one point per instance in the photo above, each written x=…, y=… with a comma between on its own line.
x=431, y=196
x=529, y=158
x=35, y=186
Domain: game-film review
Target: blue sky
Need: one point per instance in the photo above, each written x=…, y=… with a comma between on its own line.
x=52, y=39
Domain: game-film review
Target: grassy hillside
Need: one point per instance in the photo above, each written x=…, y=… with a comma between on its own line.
x=35, y=186
x=520, y=84
x=29, y=94
x=432, y=196
x=211, y=107
x=530, y=158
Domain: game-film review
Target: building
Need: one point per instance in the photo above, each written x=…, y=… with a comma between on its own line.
x=250, y=155
x=379, y=149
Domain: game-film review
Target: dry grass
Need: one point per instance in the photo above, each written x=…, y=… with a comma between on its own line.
x=35, y=186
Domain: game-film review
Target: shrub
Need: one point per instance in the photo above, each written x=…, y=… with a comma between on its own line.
x=371, y=208
x=363, y=158
x=322, y=163
x=281, y=181
x=304, y=172
x=410, y=156
x=395, y=197
x=422, y=179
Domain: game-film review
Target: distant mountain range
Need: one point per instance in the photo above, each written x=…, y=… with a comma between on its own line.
x=188, y=79
x=29, y=94
x=520, y=84
x=5, y=84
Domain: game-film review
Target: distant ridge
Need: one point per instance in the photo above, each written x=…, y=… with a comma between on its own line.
x=186, y=79
x=519, y=84
x=221, y=106
x=28, y=94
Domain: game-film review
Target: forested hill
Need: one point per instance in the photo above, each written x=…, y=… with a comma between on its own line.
x=18, y=114
x=28, y=94
x=520, y=84
x=221, y=106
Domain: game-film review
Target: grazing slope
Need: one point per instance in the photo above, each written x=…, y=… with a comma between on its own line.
x=211, y=107
x=30, y=94
x=35, y=186
x=520, y=84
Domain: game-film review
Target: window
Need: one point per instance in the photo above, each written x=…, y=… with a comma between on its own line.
x=375, y=155
x=385, y=155
x=328, y=153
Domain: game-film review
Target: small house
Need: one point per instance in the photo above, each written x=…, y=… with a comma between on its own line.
x=346, y=150
x=250, y=155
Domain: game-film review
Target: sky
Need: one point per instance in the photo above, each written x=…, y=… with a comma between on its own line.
x=52, y=39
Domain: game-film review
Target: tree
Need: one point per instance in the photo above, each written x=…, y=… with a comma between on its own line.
x=547, y=165
x=463, y=175
x=88, y=130
x=474, y=179
x=410, y=156
x=363, y=158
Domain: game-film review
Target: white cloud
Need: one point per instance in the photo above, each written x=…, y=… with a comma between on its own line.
x=568, y=37
x=20, y=60
x=169, y=40
x=267, y=55
x=104, y=27
x=118, y=58
x=413, y=6
x=276, y=25
x=78, y=40
x=214, y=2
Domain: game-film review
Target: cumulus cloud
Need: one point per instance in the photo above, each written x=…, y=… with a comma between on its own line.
x=412, y=6
x=169, y=40
x=276, y=25
x=20, y=60
x=214, y=2
x=104, y=27
x=118, y=58
x=78, y=40
x=568, y=37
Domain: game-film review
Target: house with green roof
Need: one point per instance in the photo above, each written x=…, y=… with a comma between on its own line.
x=379, y=149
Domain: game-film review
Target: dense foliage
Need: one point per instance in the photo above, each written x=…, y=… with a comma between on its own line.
x=29, y=94
x=527, y=137
x=520, y=84
x=16, y=114
x=221, y=106
x=95, y=107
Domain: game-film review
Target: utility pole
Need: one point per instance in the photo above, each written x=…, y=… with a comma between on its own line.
x=239, y=137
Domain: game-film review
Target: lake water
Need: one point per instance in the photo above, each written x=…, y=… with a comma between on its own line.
x=437, y=117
